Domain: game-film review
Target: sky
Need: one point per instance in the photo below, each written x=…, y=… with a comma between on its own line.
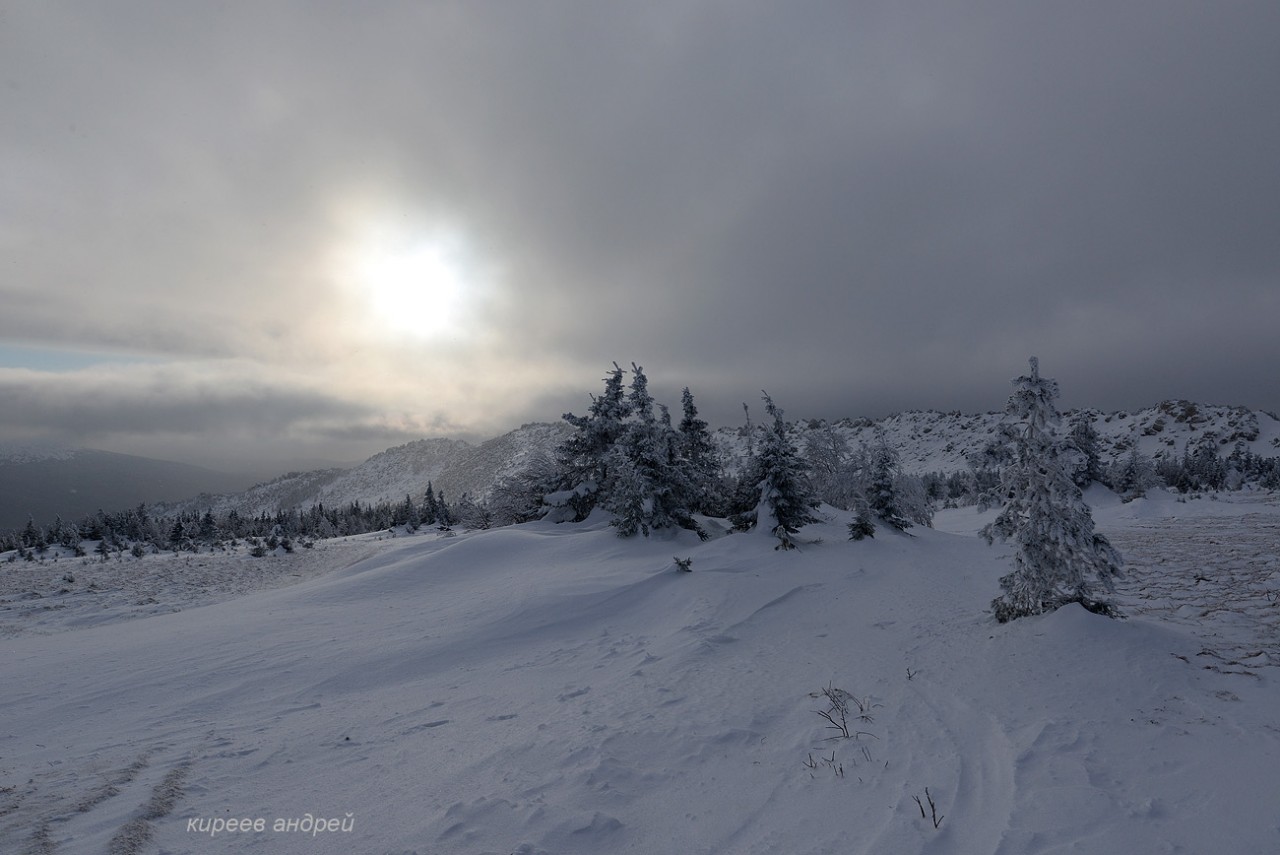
x=244, y=235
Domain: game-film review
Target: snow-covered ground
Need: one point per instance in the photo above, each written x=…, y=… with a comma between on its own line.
x=553, y=689
x=63, y=592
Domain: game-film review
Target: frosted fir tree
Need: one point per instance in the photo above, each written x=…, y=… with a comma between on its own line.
x=1206, y=468
x=649, y=486
x=1058, y=555
x=701, y=459
x=585, y=456
x=885, y=494
x=444, y=514
x=430, y=507
x=987, y=463
x=863, y=524
x=882, y=493
x=1083, y=446
x=630, y=497
x=1133, y=475
x=634, y=462
x=786, y=500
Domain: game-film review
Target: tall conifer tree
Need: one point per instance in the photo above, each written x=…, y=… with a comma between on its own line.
x=786, y=500
x=1058, y=555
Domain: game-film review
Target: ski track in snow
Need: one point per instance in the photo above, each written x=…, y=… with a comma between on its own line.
x=111, y=792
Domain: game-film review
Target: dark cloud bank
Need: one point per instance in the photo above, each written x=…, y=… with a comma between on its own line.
x=860, y=207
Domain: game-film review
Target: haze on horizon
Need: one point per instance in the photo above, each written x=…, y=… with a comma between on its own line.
x=233, y=234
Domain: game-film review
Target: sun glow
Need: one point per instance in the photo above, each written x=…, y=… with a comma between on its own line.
x=419, y=290
x=425, y=286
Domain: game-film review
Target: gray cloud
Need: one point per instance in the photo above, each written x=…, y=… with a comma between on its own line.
x=218, y=415
x=163, y=401
x=860, y=207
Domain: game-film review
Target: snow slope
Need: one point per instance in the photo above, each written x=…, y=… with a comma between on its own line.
x=451, y=466
x=553, y=689
x=932, y=441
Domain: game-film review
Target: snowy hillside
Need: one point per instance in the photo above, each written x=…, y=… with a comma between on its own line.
x=555, y=689
x=395, y=473
x=931, y=441
x=451, y=466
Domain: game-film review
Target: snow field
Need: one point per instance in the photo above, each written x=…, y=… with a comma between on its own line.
x=553, y=689
x=64, y=592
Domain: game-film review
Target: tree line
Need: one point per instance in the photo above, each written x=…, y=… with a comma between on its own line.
x=139, y=531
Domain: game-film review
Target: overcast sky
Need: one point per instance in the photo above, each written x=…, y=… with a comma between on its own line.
x=236, y=233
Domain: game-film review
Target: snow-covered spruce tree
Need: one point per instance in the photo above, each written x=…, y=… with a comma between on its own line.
x=1172, y=474
x=1206, y=469
x=406, y=514
x=628, y=490
x=648, y=486
x=881, y=491
x=863, y=524
x=987, y=463
x=1133, y=475
x=584, y=457
x=430, y=512
x=785, y=498
x=702, y=463
x=1044, y=515
x=444, y=514
x=1082, y=447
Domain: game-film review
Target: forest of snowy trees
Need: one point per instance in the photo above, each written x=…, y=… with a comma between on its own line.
x=137, y=531
x=629, y=460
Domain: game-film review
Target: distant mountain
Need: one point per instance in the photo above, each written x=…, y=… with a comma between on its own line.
x=451, y=466
x=43, y=483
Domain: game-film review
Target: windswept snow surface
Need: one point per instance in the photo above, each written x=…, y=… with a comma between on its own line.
x=553, y=689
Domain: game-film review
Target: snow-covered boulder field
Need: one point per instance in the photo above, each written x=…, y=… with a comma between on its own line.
x=555, y=689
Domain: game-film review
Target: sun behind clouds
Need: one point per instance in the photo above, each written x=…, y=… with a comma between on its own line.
x=421, y=283
x=419, y=290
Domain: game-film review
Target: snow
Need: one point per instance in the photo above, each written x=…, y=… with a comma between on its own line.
x=555, y=689
x=452, y=467
x=63, y=592
x=930, y=441
x=17, y=453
